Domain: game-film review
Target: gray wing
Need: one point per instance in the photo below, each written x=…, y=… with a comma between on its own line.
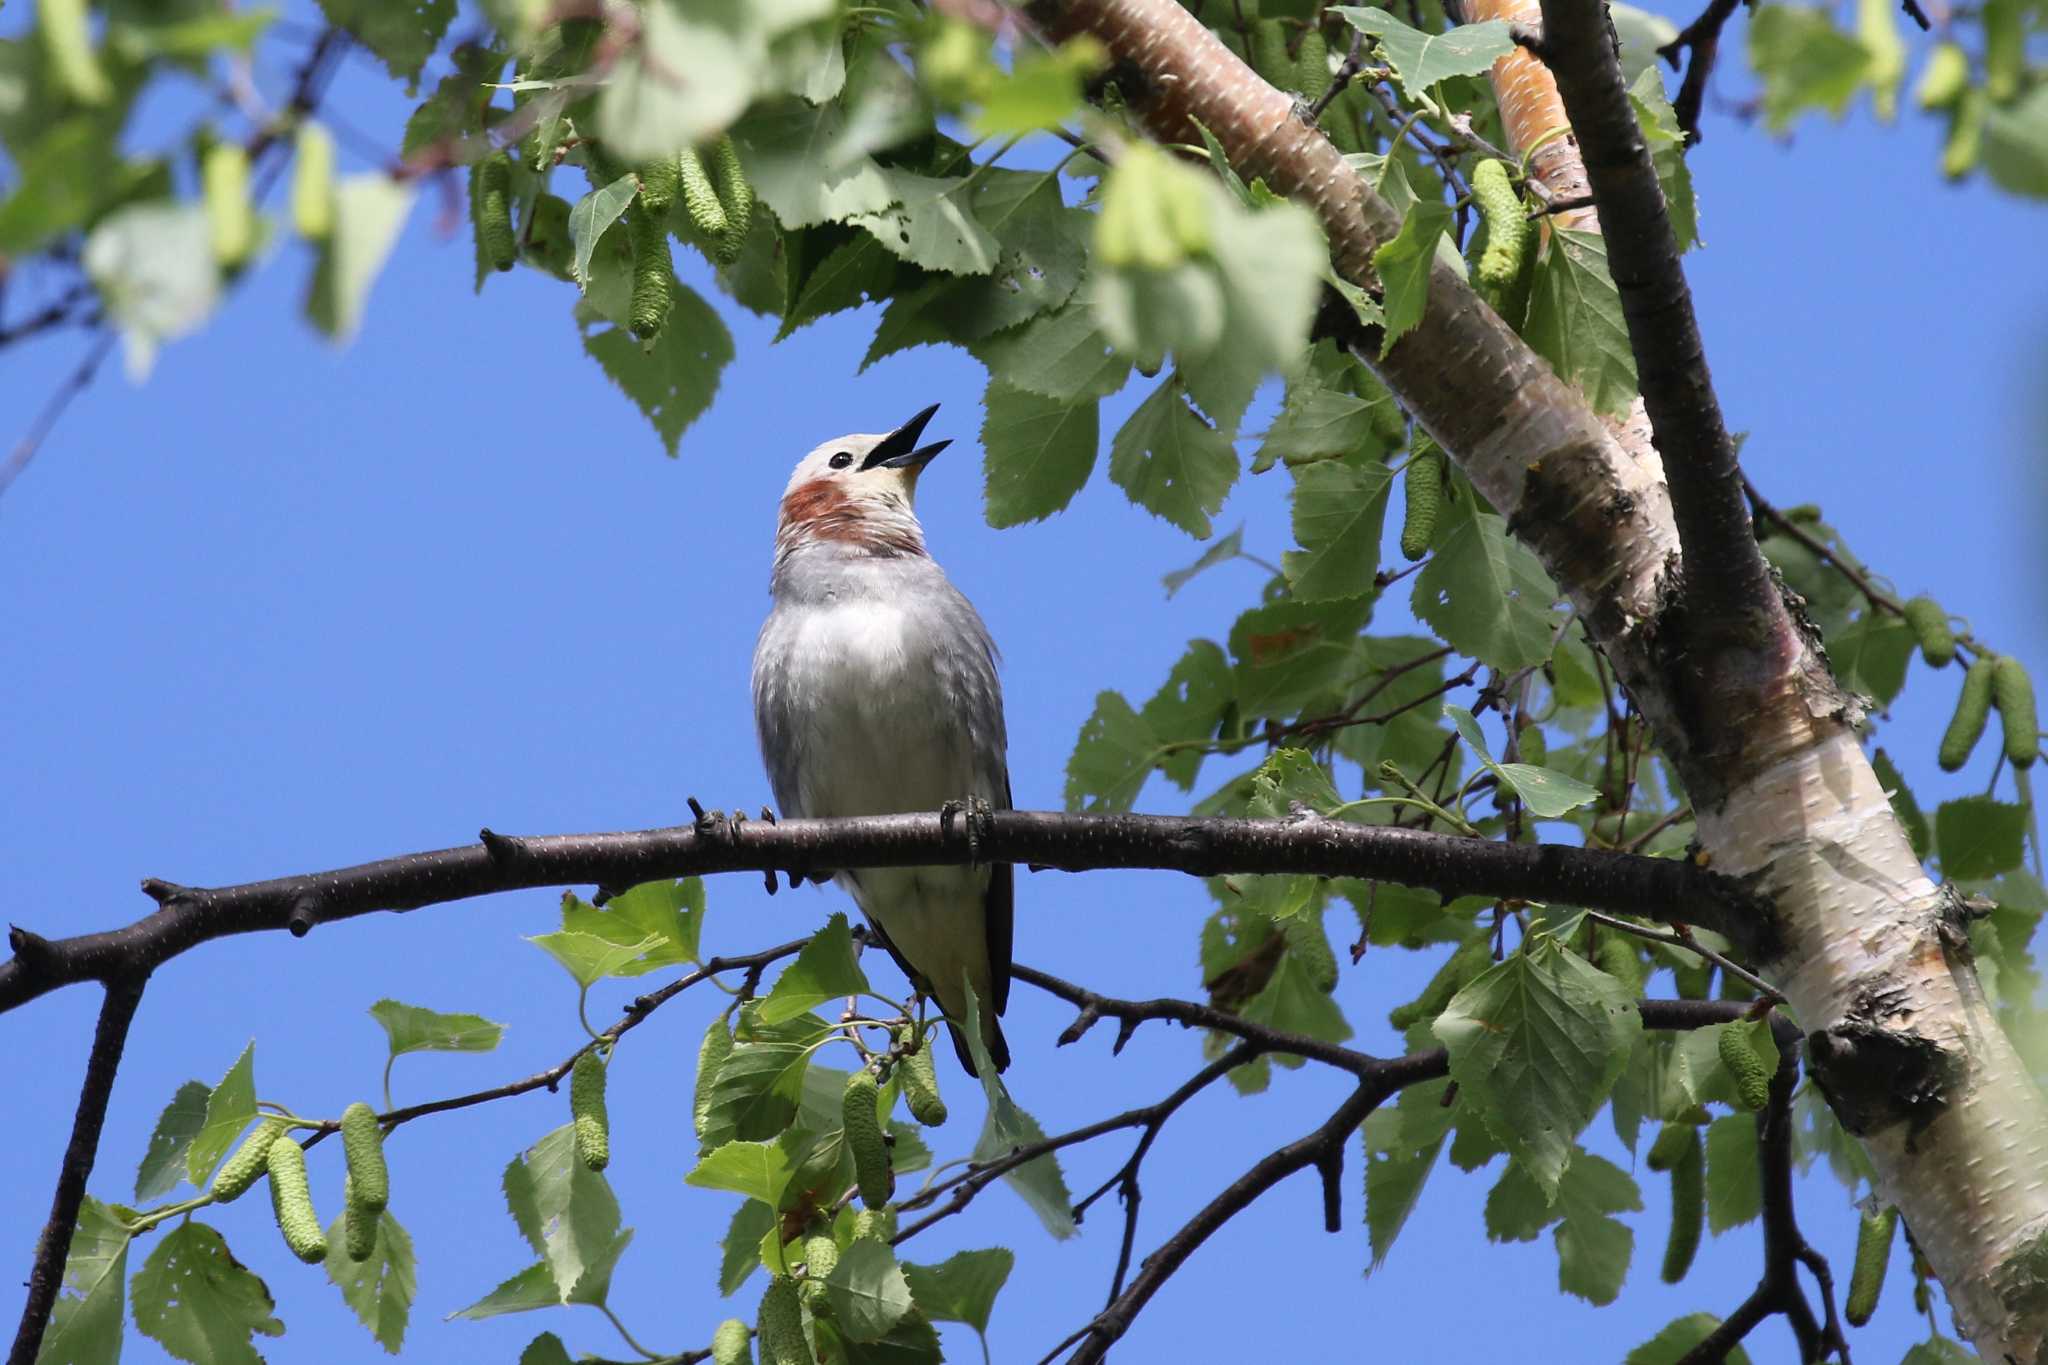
x=774, y=721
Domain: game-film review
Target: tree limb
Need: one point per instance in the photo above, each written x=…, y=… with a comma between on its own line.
x=1451, y=866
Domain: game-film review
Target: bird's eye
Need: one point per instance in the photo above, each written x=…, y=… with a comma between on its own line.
x=842, y=459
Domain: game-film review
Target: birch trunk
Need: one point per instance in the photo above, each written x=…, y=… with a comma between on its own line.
x=1872, y=955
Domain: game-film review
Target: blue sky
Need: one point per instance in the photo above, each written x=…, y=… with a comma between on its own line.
x=289, y=607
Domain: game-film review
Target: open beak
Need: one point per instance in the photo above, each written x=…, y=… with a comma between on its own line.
x=900, y=450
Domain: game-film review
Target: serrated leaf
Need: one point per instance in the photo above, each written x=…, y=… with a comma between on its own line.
x=410, y=1028
x=740, y=1252
x=590, y=959
x=867, y=1289
x=1293, y=1003
x=1734, y=1182
x=545, y=1349
x=1316, y=422
x=1007, y=1127
x=1593, y=1248
x=1172, y=463
x=1938, y=1350
x=1112, y=757
x=404, y=35
x=855, y=272
x=1575, y=320
x=825, y=969
x=532, y=1288
x=194, y=1299
x=380, y=1289
x=1870, y=655
x=1404, y=265
x=1978, y=837
x=1062, y=354
x=1037, y=453
x=566, y=1211
x=85, y=1323
x=1659, y=123
x=229, y=1107
x=1421, y=59
x=928, y=223
x=675, y=381
x=163, y=1161
x=1483, y=593
x=1222, y=550
x=811, y=165
x=1538, y=1041
x=759, y=1170
x=961, y=1288
x=761, y=1082
x=1679, y=1336
x=1547, y=794
x=1402, y=1143
x=591, y=216
x=1188, y=707
x=1340, y=510
x=1805, y=63
x=1287, y=655
x=1041, y=254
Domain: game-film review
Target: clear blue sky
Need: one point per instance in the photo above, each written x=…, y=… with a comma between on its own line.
x=287, y=607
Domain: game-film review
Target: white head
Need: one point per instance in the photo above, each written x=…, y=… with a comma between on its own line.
x=857, y=491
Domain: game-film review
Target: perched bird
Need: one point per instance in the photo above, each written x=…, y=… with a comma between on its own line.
x=875, y=692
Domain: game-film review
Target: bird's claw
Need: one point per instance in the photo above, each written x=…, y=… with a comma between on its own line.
x=976, y=810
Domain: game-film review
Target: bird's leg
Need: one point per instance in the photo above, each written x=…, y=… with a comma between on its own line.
x=976, y=810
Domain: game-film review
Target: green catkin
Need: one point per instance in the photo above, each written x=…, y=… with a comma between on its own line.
x=1310, y=946
x=247, y=1165
x=732, y=1344
x=1966, y=726
x=782, y=1325
x=1688, y=1210
x=231, y=225
x=358, y=1223
x=653, y=274
x=711, y=1055
x=1752, y=1076
x=291, y=1199
x=2013, y=690
x=659, y=181
x=1873, y=1255
x=587, y=1112
x=1312, y=65
x=1269, y=53
x=700, y=200
x=736, y=196
x=864, y=1139
x=1930, y=628
x=821, y=1254
x=1616, y=956
x=490, y=212
x=1674, y=1140
x=313, y=183
x=362, y=1140
x=1424, y=487
x=879, y=1224
x=919, y=1078
x=1507, y=230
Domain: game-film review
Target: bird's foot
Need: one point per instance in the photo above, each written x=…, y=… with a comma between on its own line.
x=976, y=810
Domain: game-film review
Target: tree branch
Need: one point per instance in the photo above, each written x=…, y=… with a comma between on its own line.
x=45, y=1277
x=1451, y=866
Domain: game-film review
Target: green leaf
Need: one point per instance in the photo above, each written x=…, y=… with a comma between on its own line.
x=1340, y=510
x=1805, y=63
x=1222, y=550
x=1978, y=837
x=532, y=1288
x=913, y=1341
x=761, y=1082
x=1667, y=152
x=591, y=216
x=1290, y=780
x=963, y=1287
x=1317, y=421
x=1938, y=1350
x=1402, y=1143
x=1679, y=1336
x=545, y=1349
x=1037, y=452
x=1062, y=355
x=589, y=959
x=1593, y=1248
x=1404, y=265
x=1871, y=653
x=193, y=1298
x=1188, y=708
x=369, y=211
x=811, y=165
x=404, y=34
x=674, y=382
x=826, y=969
x=740, y=1252
x=229, y=1107
x=1575, y=320
x=1291, y=654
x=409, y=1028
x=154, y=269
x=759, y=1170
x=1421, y=59
x=1538, y=1041
x=867, y=1289
x=1038, y=1181
x=1548, y=795
x=85, y=1324
x=379, y=1289
x=928, y=223
x=1112, y=757
x=1734, y=1182
x=566, y=1211
x=1483, y=593
x=163, y=1161
x=669, y=912
x=1042, y=89
x=2016, y=143
x=852, y=273
x=457, y=105
x=1172, y=463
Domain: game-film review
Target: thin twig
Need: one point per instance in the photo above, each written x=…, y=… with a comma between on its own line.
x=1692, y=945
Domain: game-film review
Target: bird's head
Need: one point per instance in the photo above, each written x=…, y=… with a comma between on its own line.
x=857, y=492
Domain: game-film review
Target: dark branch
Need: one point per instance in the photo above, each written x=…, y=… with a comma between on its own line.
x=1655, y=887
x=1702, y=37
x=117, y=1012
x=1731, y=605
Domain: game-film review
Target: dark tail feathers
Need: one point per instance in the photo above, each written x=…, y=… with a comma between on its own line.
x=998, y=1046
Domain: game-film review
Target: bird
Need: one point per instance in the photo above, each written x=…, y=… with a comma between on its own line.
x=876, y=692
